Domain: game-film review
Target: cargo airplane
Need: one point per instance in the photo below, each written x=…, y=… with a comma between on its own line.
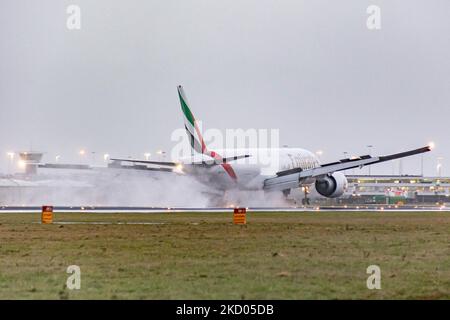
x=231, y=169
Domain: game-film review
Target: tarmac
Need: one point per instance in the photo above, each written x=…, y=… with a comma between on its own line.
x=102, y=209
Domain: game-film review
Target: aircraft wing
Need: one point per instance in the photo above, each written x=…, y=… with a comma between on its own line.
x=292, y=178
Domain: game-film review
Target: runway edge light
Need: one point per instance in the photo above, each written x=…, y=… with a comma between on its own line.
x=47, y=215
x=239, y=216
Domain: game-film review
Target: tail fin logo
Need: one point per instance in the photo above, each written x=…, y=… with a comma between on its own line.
x=195, y=136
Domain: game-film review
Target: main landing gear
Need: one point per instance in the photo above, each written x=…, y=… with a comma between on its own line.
x=305, y=200
x=295, y=198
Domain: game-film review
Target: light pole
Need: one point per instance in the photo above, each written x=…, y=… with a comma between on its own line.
x=11, y=161
x=431, y=145
x=370, y=154
x=345, y=157
x=439, y=166
x=93, y=157
x=421, y=165
x=82, y=153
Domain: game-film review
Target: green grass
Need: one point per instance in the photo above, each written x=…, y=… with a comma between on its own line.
x=314, y=255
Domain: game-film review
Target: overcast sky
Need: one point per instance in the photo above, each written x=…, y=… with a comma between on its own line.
x=309, y=68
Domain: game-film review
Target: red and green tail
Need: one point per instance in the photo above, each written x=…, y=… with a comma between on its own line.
x=195, y=136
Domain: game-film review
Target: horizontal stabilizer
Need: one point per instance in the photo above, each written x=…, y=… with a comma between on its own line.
x=213, y=162
x=206, y=162
x=157, y=163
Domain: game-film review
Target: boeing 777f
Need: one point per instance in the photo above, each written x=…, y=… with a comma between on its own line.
x=248, y=169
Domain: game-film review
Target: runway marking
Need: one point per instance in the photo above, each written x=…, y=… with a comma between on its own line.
x=121, y=210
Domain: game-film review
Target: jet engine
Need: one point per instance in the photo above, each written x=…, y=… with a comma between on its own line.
x=332, y=186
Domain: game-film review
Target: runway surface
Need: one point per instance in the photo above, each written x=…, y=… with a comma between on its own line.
x=93, y=209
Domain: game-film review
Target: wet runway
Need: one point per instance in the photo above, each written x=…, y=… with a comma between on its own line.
x=100, y=209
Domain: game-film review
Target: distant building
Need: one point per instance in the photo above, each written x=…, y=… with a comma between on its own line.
x=391, y=189
x=30, y=160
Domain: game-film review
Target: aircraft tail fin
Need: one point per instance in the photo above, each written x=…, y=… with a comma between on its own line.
x=191, y=125
x=196, y=139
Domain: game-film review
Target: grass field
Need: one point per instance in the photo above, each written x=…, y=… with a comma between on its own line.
x=315, y=255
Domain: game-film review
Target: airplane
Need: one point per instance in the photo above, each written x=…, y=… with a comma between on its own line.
x=295, y=168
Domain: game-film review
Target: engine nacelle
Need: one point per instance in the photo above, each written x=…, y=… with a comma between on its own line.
x=332, y=186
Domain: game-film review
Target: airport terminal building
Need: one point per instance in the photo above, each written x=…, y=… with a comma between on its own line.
x=396, y=189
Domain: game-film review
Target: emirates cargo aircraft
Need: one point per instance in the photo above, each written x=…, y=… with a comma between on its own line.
x=276, y=169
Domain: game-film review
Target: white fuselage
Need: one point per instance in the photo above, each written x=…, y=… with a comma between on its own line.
x=252, y=171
